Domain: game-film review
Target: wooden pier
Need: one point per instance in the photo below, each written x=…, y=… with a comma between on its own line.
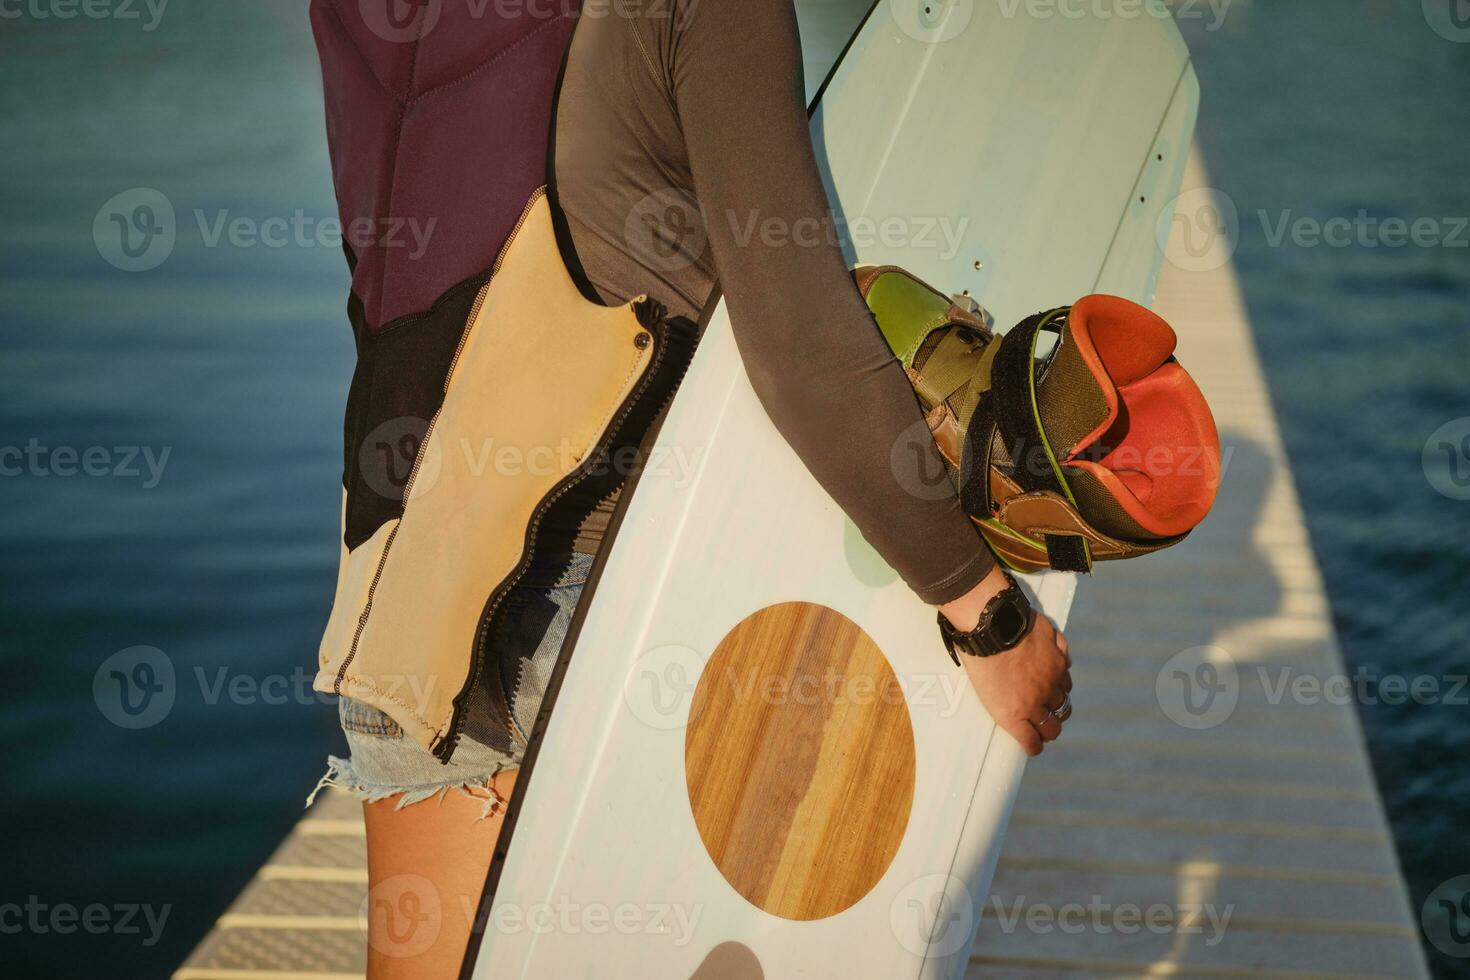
x=1164, y=835
x=1270, y=813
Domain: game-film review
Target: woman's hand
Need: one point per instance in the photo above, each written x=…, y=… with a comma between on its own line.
x=1024, y=685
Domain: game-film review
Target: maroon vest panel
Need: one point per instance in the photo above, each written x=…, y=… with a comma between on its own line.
x=437, y=123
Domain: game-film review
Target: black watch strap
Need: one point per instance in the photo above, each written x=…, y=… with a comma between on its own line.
x=1005, y=622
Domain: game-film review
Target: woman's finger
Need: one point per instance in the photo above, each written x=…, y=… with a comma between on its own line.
x=1048, y=727
x=1025, y=733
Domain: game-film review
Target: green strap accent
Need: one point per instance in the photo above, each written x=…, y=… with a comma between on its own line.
x=1085, y=556
x=1014, y=398
x=906, y=311
x=1051, y=457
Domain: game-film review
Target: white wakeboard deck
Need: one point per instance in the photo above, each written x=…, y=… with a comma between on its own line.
x=1052, y=148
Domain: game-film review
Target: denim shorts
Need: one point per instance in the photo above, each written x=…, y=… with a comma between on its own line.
x=383, y=762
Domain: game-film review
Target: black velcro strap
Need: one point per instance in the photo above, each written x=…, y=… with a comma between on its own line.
x=1015, y=411
x=1067, y=553
x=975, y=458
x=1011, y=379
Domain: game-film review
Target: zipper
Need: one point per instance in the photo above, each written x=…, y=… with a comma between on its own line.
x=444, y=746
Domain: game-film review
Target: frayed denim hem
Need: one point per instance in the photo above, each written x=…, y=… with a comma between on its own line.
x=341, y=775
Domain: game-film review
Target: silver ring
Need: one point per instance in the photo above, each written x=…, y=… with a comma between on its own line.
x=1065, y=711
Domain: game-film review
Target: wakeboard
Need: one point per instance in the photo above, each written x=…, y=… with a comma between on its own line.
x=756, y=758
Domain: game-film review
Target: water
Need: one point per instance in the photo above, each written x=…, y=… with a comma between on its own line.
x=234, y=358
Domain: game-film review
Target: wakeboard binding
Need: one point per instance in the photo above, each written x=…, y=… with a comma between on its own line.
x=1074, y=437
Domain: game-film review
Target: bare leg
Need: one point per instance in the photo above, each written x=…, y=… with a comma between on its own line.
x=426, y=869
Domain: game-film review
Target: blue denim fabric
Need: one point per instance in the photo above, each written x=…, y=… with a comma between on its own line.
x=384, y=762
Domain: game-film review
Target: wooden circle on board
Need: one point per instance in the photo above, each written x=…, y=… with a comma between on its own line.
x=799, y=760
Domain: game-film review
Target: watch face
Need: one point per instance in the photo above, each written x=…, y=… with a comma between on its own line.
x=1009, y=624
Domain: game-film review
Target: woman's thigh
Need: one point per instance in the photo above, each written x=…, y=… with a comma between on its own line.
x=432, y=826
x=431, y=830
x=426, y=870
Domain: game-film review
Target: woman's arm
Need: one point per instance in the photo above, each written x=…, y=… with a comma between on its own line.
x=813, y=352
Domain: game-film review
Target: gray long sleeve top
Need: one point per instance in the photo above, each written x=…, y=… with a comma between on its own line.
x=682, y=158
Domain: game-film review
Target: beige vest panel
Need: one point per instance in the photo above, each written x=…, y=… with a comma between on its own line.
x=539, y=375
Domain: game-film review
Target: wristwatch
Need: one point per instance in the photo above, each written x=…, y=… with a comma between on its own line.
x=1004, y=622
